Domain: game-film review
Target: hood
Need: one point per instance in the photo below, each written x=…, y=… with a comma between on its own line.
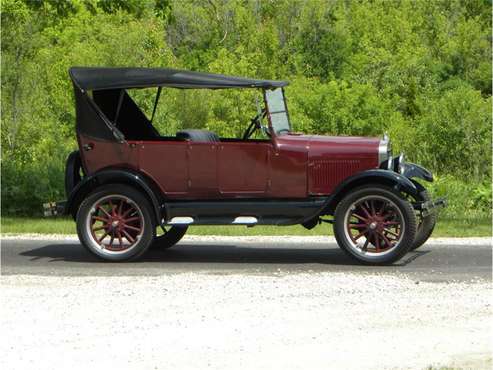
x=331, y=159
x=334, y=146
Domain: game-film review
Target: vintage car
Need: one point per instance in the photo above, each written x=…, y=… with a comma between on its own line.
x=127, y=181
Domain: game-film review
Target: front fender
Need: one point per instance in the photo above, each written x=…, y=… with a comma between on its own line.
x=411, y=170
x=373, y=176
x=394, y=179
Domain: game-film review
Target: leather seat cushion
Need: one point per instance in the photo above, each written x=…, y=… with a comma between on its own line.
x=203, y=136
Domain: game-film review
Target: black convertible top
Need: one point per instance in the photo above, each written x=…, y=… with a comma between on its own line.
x=106, y=78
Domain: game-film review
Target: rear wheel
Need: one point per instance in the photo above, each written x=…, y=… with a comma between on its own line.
x=170, y=237
x=115, y=223
x=374, y=225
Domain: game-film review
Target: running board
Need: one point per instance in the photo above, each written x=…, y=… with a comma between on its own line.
x=247, y=212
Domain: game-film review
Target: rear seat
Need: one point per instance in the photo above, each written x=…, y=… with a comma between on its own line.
x=202, y=136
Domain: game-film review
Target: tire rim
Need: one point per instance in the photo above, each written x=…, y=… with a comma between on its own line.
x=374, y=226
x=115, y=224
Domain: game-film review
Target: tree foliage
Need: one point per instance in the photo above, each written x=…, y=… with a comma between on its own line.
x=420, y=70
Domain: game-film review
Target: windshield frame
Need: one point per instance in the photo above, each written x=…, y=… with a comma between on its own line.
x=286, y=111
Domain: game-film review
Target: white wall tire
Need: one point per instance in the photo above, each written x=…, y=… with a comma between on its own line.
x=115, y=223
x=374, y=225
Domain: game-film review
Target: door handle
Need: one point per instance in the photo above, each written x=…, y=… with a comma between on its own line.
x=88, y=147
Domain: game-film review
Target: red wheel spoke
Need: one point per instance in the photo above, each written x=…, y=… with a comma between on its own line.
x=120, y=207
x=128, y=237
x=391, y=233
x=382, y=208
x=131, y=227
x=119, y=236
x=104, y=236
x=111, y=240
x=98, y=218
x=372, y=207
x=356, y=226
x=360, y=217
x=386, y=240
x=131, y=219
x=365, y=246
x=388, y=216
x=126, y=213
x=112, y=208
x=391, y=223
x=365, y=210
x=360, y=234
x=104, y=211
x=377, y=243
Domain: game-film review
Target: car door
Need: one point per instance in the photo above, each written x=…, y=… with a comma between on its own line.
x=243, y=168
x=166, y=163
x=202, y=170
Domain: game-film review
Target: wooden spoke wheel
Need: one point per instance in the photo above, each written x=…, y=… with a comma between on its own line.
x=115, y=223
x=375, y=225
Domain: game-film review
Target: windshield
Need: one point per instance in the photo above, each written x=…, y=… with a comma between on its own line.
x=276, y=106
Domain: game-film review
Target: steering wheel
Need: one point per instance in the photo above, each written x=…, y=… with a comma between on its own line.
x=255, y=124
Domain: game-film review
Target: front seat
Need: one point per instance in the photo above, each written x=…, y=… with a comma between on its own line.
x=201, y=136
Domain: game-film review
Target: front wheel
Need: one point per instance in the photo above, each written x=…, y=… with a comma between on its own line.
x=374, y=225
x=426, y=224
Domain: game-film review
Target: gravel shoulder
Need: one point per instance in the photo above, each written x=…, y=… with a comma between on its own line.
x=282, y=321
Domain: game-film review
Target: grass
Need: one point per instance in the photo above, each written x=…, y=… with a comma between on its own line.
x=445, y=228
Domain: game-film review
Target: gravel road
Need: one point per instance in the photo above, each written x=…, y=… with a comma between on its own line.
x=246, y=303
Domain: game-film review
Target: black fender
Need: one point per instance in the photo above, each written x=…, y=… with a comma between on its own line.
x=73, y=168
x=115, y=176
x=411, y=170
x=374, y=176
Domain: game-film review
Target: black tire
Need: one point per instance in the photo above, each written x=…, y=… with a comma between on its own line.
x=170, y=238
x=115, y=212
x=425, y=226
x=383, y=207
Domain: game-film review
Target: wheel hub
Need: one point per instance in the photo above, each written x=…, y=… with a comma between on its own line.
x=375, y=223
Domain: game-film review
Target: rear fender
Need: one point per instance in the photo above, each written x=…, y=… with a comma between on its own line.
x=73, y=168
x=115, y=176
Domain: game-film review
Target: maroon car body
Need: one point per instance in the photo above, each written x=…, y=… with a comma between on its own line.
x=195, y=177
x=289, y=166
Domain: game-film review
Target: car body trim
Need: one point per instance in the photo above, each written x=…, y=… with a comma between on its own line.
x=181, y=221
x=245, y=220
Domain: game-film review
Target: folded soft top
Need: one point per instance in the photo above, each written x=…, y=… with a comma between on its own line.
x=105, y=78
